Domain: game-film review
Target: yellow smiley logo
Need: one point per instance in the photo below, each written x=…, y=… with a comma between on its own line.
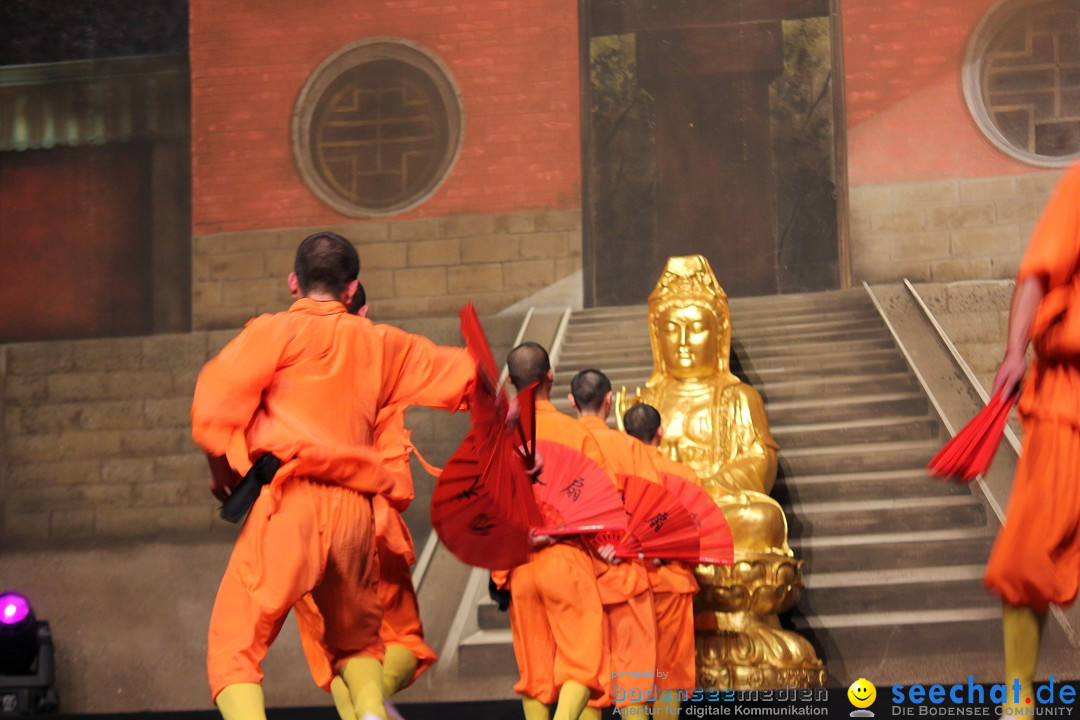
x=862, y=693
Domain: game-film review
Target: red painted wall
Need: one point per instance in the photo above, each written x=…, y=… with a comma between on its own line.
x=515, y=62
x=77, y=229
x=907, y=119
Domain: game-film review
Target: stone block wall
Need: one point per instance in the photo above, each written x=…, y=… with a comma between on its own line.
x=945, y=230
x=975, y=316
x=96, y=443
x=409, y=268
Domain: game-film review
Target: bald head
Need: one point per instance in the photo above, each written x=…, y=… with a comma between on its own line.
x=643, y=422
x=591, y=390
x=326, y=263
x=528, y=363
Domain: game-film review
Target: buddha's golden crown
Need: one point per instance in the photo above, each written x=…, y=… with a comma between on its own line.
x=688, y=276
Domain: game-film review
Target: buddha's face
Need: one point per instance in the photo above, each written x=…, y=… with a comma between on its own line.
x=689, y=338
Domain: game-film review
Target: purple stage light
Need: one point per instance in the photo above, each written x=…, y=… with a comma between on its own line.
x=13, y=608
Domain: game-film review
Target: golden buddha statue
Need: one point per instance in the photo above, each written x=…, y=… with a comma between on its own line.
x=716, y=424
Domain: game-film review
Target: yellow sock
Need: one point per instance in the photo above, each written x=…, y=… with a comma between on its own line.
x=572, y=698
x=241, y=701
x=399, y=664
x=363, y=677
x=342, y=699
x=1022, y=629
x=534, y=709
x=590, y=713
x=666, y=709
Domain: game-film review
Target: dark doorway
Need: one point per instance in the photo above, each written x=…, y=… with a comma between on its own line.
x=709, y=128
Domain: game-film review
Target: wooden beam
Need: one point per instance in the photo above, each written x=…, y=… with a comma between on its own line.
x=615, y=17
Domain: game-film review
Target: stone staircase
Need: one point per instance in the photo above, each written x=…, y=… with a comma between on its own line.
x=893, y=560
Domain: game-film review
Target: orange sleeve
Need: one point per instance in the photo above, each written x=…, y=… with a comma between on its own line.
x=230, y=386
x=1054, y=249
x=419, y=372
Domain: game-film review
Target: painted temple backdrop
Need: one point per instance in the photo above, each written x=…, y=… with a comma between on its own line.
x=160, y=160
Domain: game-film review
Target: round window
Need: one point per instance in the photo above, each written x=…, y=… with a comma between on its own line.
x=377, y=127
x=1022, y=79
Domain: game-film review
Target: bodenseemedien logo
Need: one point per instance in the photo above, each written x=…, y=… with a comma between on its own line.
x=862, y=694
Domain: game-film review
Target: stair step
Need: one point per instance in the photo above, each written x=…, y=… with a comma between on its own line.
x=898, y=516
x=818, y=361
x=893, y=576
x=895, y=484
x=894, y=551
x=846, y=407
x=866, y=457
x=872, y=638
x=490, y=617
x=881, y=429
x=836, y=385
x=487, y=653
x=914, y=596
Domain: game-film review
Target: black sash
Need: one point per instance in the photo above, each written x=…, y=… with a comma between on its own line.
x=247, y=490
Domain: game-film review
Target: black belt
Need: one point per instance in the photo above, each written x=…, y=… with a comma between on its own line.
x=247, y=490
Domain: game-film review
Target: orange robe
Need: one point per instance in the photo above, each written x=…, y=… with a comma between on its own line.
x=307, y=385
x=674, y=586
x=1035, y=561
x=394, y=545
x=624, y=588
x=556, y=616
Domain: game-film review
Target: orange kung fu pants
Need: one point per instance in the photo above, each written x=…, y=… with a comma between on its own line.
x=675, y=651
x=557, y=622
x=1035, y=561
x=630, y=653
x=319, y=539
x=401, y=613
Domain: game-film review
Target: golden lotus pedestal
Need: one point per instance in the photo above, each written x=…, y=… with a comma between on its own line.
x=740, y=644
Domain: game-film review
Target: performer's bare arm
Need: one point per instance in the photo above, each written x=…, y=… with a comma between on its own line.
x=222, y=477
x=1028, y=294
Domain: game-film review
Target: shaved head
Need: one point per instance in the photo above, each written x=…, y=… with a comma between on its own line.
x=359, y=300
x=528, y=363
x=589, y=388
x=642, y=421
x=326, y=263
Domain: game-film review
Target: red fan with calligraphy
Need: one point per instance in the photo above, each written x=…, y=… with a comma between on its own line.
x=717, y=545
x=659, y=526
x=483, y=506
x=574, y=494
x=971, y=451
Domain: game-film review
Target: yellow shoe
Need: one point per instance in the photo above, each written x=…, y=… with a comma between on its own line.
x=1022, y=630
x=363, y=678
x=533, y=709
x=399, y=664
x=241, y=701
x=572, y=699
x=342, y=699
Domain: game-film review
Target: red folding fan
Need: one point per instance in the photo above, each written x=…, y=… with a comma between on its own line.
x=575, y=495
x=477, y=344
x=483, y=504
x=659, y=525
x=971, y=451
x=717, y=545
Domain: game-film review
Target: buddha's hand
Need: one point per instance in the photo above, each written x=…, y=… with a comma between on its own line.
x=624, y=403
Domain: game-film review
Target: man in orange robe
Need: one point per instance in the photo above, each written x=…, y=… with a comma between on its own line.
x=306, y=386
x=624, y=586
x=556, y=615
x=673, y=583
x=1035, y=561
x=407, y=655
